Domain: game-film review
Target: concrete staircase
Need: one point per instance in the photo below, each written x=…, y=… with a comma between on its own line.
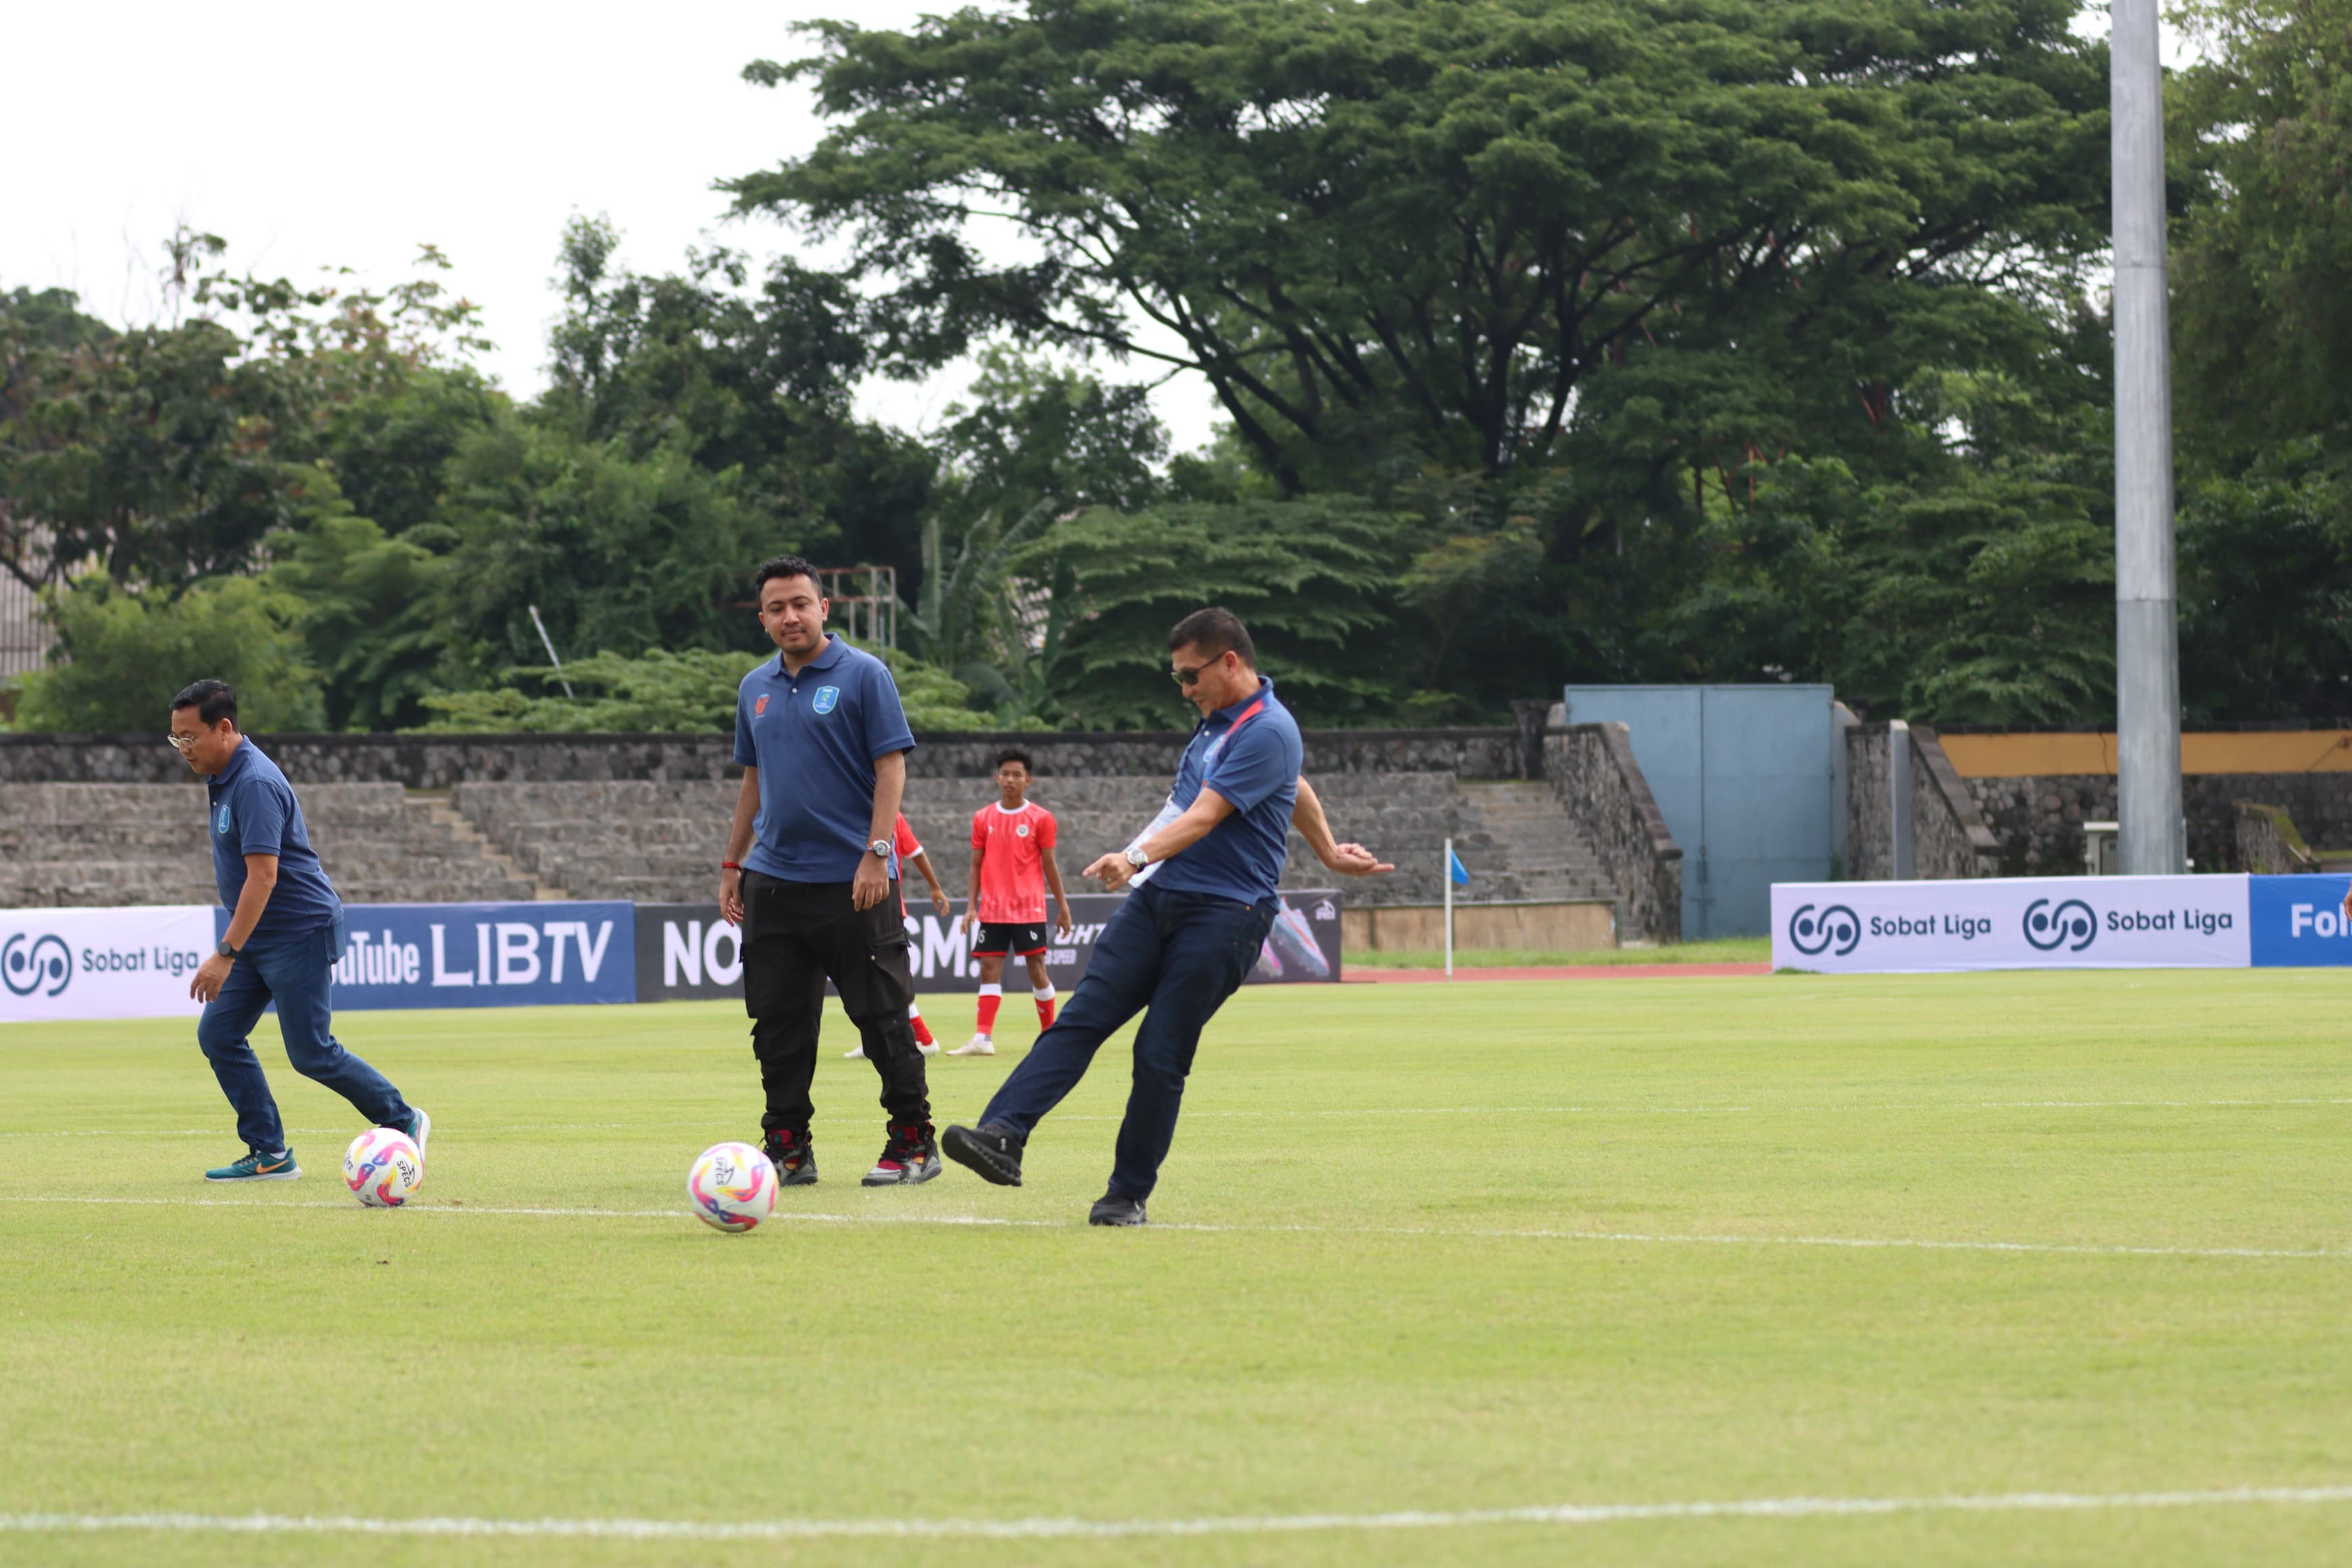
x=1547, y=853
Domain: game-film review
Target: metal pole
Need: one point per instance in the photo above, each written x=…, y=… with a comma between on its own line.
x=1446, y=871
x=2147, y=647
x=1903, y=864
x=548, y=644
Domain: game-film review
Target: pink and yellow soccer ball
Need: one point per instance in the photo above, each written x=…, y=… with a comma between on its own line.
x=383, y=1168
x=733, y=1187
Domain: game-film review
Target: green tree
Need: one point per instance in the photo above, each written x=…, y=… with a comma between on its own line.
x=126, y=655
x=370, y=611
x=1313, y=579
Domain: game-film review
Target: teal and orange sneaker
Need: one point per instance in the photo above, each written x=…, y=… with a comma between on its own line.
x=258, y=1166
x=419, y=1128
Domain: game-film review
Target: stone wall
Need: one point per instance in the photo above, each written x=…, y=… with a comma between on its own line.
x=2039, y=820
x=441, y=762
x=2268, y=844
x=1950, y=837
x=1591, y=769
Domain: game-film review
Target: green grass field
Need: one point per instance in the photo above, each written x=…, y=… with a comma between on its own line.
x=1419, y=1250
x=1720, y=950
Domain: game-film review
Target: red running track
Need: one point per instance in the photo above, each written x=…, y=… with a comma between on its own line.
x=1354, y=976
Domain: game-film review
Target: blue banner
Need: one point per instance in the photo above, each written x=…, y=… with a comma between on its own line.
x=484, y=955
x=2300, y=921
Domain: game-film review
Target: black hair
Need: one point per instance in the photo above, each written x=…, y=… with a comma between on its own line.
x=214, y=700
x=1214, y=628
x=1015, y=755
x=786, y=566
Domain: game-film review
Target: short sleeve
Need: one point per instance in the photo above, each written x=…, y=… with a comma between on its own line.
x=979, y=835
x=261, y=820
x=746, y=756
x=885, y=720
x=1045, y=829
x=904, y=841
x=1253, y=766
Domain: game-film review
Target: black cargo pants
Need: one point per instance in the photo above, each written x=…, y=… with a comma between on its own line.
x=798, y=935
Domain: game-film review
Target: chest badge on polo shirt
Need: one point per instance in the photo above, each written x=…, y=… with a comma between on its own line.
x=758, y=706
x=826, y=697
x=220, y=824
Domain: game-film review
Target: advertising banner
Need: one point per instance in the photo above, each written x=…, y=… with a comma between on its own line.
x=101, y=963
x=484, y=955
x=685, y=950
x=2022, y=922
x=2300, y=921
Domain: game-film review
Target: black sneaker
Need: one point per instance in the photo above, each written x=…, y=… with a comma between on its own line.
x=910, y=1156
x=1112, y=1209
x=992, y=1149
x=792, y=1156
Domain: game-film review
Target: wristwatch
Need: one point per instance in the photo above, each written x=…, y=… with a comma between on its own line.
x=226, y=950
x=880, y=848
x=1138, y=859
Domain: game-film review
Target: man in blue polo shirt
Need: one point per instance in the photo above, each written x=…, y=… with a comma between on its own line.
x=811, y=875
x=285, y=936
x=1187, y=937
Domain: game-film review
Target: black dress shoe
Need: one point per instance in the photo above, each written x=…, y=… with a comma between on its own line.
x=991, y=1149
x=1112, y=1209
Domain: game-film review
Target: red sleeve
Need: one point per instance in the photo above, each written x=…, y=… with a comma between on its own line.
x=979, y=840
x=1044, y=828
x=906, y=844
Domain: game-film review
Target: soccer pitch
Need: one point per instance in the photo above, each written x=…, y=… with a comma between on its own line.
x=1785, y=1269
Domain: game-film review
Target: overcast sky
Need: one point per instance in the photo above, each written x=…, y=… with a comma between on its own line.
x=311, y=136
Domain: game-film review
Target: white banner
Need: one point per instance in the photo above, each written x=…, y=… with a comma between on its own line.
x=2021, y=923
x=101, y=963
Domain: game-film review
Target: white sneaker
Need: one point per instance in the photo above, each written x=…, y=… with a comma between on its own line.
x=854, y=1051
x=977, y=1046
x=931, y=1050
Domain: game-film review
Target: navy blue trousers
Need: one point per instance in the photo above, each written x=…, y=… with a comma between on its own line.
x=298, y=974
x=1172, y=956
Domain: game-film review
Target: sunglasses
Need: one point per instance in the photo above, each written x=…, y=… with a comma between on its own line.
x=1191, y=676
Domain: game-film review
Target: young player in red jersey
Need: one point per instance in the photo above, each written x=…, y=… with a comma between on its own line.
x=911, y=853
x=1011, y=867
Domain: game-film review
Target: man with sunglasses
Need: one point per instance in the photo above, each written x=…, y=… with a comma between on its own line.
x=285, y=937
x=1204, y=872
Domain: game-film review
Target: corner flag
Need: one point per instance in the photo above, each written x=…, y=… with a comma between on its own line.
x=1455, y=868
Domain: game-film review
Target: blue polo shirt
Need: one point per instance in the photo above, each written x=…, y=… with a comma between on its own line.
x=254, y=812
x=816, y=737
x=1251, y=753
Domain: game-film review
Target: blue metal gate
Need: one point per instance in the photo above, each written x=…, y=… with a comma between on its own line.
x=1743, y=775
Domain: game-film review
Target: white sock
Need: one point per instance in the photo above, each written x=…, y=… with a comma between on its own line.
x=1044, y=993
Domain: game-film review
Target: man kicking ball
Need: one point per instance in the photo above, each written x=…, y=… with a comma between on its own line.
x=1185, y=939
x=1011, y=865
x=285, y=938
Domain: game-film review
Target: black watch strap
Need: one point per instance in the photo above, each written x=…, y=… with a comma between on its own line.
x=226, y=950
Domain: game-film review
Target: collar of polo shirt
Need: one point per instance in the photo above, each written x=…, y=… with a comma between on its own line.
x=1232, y=711
x=826, y=658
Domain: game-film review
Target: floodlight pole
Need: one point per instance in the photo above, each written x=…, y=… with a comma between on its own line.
x=2147, y=644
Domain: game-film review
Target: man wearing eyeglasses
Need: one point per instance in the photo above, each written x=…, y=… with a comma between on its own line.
x=1205, y=875
x=285, y=937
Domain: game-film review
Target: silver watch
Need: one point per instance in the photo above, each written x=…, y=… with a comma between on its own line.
x=880, y=846
x=1138, y=859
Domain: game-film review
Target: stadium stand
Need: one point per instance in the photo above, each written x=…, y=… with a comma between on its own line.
x=85, y=844
x=660, y=842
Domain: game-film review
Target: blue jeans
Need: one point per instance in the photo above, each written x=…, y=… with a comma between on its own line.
x=298, y=974
x=1173, y=956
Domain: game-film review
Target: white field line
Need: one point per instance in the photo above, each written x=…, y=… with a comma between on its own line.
x=1093, y=1529
x=2086, y=1249
x=1368, y=1111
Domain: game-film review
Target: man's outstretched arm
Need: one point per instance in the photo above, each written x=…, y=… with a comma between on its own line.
x=1348, y=859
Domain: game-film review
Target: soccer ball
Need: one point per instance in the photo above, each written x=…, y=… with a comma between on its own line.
x=733, y=1187
x=383, y=1168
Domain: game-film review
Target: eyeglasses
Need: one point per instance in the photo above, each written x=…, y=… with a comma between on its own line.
x=180, y=743
x=1192, y=676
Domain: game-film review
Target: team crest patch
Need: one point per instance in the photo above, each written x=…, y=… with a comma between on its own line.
x=1022, y=831
x=827, y=696
x=220, y=824
x=758, y=706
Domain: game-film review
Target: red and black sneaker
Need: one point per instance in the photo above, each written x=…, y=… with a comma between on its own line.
x=793, y=1158
x=911, y=1155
